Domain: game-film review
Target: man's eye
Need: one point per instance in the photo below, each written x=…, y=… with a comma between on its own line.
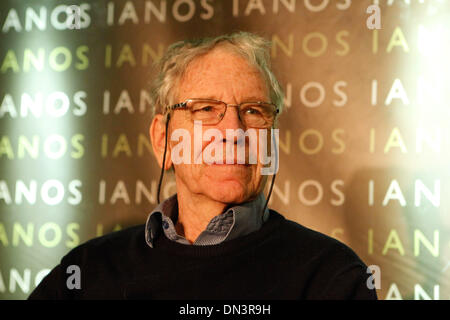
x=252, y=111
x=205, y=109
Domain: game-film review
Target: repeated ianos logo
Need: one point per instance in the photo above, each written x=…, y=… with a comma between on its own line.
x=364, y=137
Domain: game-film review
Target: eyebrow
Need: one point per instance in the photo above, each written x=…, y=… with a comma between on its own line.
x=247, y=99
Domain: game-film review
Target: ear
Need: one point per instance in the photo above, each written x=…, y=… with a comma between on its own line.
x=157, y=133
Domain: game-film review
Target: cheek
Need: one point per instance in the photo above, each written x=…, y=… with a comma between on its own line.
x=188, y=172
x=191, y=177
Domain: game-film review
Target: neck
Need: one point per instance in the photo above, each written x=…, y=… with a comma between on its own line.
x=195, y=211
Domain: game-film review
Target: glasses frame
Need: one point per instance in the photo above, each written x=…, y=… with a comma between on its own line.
x=183, y=105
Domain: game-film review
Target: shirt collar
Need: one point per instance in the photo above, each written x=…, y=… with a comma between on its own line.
x=236, y=221
x=248, y=217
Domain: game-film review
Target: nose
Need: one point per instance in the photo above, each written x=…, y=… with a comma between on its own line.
x=231, y=118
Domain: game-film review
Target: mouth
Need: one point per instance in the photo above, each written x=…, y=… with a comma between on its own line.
x=228, y=171
x=229, y=164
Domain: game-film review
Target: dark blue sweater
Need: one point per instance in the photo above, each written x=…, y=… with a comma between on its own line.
x=282, y=260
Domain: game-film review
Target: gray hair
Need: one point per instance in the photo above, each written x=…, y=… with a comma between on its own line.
x=172, y=65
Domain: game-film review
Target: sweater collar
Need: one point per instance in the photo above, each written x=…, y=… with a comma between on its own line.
x=235, y=222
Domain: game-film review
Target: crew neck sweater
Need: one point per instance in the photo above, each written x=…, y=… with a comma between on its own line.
x=281, y=260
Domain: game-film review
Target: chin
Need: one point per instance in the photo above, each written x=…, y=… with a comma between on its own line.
x=229, y=183
x=228, y=191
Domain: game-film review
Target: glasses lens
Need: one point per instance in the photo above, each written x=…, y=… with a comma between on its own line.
x=207, y=111
x=258, y=115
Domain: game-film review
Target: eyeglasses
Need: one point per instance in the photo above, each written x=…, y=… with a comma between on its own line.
x=211, y=112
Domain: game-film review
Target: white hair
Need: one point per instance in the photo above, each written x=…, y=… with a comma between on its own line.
x=172, y=65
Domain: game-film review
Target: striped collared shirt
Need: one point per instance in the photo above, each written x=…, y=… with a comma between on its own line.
x=235, y=222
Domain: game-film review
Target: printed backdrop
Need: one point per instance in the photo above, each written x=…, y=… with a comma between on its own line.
x=364, y=139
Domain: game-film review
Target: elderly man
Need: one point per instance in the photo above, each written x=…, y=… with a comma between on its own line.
x=216, y=238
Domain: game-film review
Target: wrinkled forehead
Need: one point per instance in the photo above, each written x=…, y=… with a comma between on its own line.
x=221, y=72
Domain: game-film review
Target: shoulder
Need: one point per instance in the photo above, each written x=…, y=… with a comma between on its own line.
x=102, y=265
x=305, y=242
x=331, y=268
x=116, y=244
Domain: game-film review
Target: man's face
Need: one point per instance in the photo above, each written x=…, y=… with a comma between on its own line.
x=225, y=76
